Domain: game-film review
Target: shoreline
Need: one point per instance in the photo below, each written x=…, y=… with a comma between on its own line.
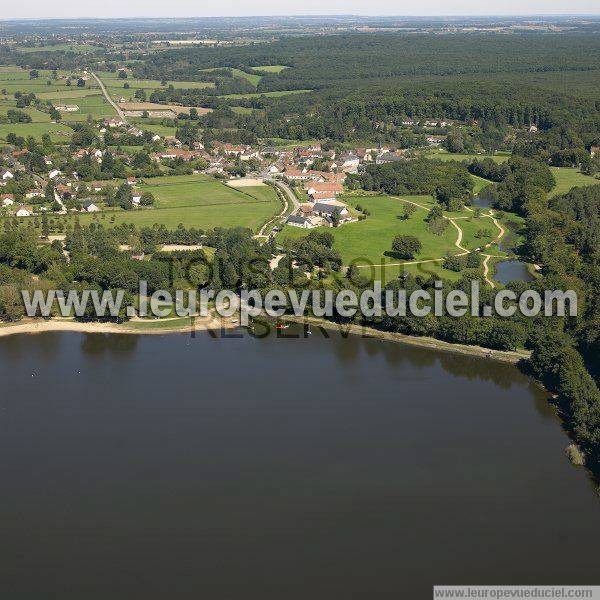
x=213, y=323
x=505, y=356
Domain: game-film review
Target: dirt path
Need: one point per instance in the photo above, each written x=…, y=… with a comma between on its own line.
x=486, y=271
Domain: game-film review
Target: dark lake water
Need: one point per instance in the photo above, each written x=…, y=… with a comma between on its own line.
x=512, y=270
x=166, y=467
x=481, y=202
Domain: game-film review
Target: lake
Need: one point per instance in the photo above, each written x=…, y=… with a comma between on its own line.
x=169, y=467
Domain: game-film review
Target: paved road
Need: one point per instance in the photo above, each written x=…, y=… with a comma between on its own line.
x=285, y=188
x=290, y=197
x=108, y=98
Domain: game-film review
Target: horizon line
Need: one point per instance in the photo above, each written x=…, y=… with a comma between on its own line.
x=306, y=15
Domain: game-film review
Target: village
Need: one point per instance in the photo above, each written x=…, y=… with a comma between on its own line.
x=62, y=181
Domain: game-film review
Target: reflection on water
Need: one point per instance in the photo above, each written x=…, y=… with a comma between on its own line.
x=512, y=270
x=165, y=466
x=481, y=201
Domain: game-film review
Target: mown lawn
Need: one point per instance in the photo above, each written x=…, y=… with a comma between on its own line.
x=370, y=241
x=199, y=190
x=251, y=215
x=196, y=201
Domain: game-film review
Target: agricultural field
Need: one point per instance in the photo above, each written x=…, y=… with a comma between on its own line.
x=59, y=132
x=162, y=130
x=89, y=100
x=566, y=179
x=443, y=155
x=96, y=106
x=197, y=201
x=116, y=89
x=13, y=79
x=253, y=79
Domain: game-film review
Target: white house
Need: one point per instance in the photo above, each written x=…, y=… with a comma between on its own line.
x=300, y=221
x=7, y=201
x=24, y=211
x=67, y=107
x=6, y=174
x=136, y=200
x=90, y=207
x=54, y=173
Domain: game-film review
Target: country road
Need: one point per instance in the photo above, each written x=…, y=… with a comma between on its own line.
x=290, y=196
x=108, y=98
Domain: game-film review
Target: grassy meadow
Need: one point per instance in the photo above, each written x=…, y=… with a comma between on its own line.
x=196, y=201
x=566, y=179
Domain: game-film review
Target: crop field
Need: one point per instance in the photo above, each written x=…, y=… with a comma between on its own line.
x=69, y=95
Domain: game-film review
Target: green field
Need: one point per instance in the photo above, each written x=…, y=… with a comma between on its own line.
x=443, y=155
x=36, y=130
x=37, y=115
x=69, y=94
x=196, y=190
x=147, y=124
x=270, y=68
x=116, y=89
x=368, y=241
x=97, y=106
x=14, y=79
x=197, y=201
x=480, y=183
x=253, y=79
x=242, y=110
x=567, y=179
